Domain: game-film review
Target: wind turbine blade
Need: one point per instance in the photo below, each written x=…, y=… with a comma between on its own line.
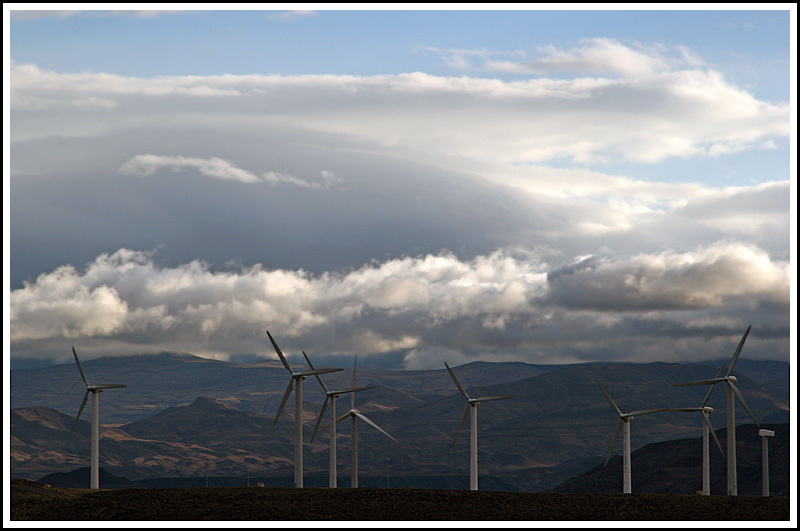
x=648, y=411
x=353, y=397
x=365, y=419
x=713, y=433
x=80, y=410
x=711, y=388
x=343, y=417
x=461, y=424
x=741, y=399
x=283, y=402
x=316, y=375
x=738, y=351
x=319, y=419
x=353, y=390
x=614, y=441
x=488, y=398
x=708, y=394
x=280, y=354
x=608, y=397
x=315, y=372
x=460, y=389
x=710, y=381
x=83, y=376
x=108, y=386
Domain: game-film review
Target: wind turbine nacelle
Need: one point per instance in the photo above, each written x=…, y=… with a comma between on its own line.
x=732, y=379
x=766, y=433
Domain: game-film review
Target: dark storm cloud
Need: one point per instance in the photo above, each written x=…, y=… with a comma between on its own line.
x=381, y=208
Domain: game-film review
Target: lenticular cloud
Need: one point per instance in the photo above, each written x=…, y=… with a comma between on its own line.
x=405, y=303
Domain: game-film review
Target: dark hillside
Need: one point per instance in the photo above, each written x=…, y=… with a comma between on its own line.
x=675, y=467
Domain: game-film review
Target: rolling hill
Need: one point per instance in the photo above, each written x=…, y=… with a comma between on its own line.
x=558, y=426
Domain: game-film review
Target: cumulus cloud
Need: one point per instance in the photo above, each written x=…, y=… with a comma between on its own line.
x=723, y=274
x=503, y=303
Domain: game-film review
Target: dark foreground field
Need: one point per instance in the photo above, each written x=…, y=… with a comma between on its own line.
x=34, y=501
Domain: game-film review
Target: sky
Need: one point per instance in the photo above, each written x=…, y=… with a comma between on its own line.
x=412, y=186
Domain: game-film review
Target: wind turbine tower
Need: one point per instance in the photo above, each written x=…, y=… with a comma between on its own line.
x=733, y=391
x=472, y=411
x=355, y=415
x=94, y=482
x=332, y=396
x=705, y=411
x=624, y=424
x=298, y=377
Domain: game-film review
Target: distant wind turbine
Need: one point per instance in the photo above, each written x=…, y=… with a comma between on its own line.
x=472, y=410
x=94, y=482
x=705, y=410
x=354, y=415
x=332, y=396
x=624, y=424
x=732, y=391
x=298, y=409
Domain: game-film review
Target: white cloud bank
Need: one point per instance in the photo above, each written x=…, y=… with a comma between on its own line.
x=650, y=108
x=503, y=302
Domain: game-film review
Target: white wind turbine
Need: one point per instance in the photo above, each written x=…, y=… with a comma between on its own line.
x=472, y=410
x=332, y=396
x=354, y=415
x=705, y=410
x=94, y=482
x=732, y=391
x=624, y=424
x=298, y=409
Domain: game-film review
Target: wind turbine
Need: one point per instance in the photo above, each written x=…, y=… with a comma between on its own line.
x=354, y=415
x=732, y=391
x=624, y=423
x=332, y=396
x=705, y=410
x=94, y=482
x=472, y=410
x=298, y=409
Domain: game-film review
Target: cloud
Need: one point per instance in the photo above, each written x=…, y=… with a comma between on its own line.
x=292, y=15
x=211, y=167
x=555, y=257
x=681, y=113
x=217, y=168
x=504, y=303
x=715, y=276
x=587, y=57
x=45, y=13
x=592, y=56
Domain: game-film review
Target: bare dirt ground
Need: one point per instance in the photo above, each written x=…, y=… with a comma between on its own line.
x=34, y=501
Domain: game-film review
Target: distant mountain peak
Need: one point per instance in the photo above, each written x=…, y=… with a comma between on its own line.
x=209, y=401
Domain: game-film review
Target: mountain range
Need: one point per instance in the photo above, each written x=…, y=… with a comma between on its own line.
x=185, y=416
